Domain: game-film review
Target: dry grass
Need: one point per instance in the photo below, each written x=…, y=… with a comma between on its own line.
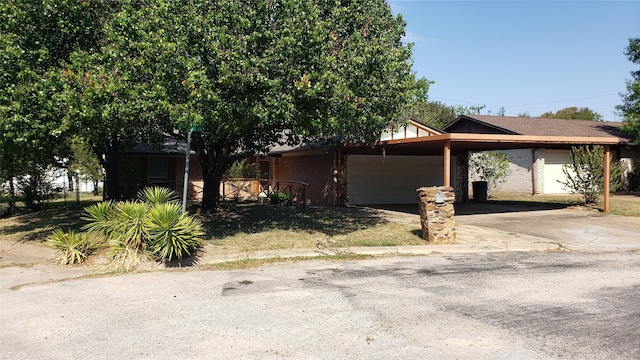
x=620, y=204
x=243, y=228
x=255, y=227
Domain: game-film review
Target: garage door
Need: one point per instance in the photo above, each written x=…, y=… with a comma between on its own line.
x=373, y=179
x=554, y=159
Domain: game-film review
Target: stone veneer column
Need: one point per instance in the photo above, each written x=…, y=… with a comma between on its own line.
x=437, y=214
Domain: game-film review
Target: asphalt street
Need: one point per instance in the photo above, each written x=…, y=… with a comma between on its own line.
x=508, y=305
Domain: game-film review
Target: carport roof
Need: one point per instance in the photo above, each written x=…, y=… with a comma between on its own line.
x=501, y=133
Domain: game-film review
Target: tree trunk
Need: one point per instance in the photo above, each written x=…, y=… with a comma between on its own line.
x=70, y=180
x=112, y=172
x=214, y=162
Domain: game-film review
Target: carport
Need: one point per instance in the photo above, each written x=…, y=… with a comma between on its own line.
x=453, y=148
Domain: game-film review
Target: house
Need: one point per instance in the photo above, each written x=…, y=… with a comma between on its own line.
x=389, y=171
x=538, y=170
x=404, y=159
x=163, y=165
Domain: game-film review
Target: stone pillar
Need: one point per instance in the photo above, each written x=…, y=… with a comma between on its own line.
x=437, y=214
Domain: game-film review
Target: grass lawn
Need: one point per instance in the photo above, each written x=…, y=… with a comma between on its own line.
x=250, y=227
x=620, y=204
x=241, y=227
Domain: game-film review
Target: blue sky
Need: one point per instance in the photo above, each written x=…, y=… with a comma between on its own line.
x=526, y=56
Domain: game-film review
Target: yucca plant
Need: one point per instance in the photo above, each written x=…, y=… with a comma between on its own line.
x=172, y=233
x=101, y=218
x=157, y=195
x=74, y=247
x=129, y=225
x=124, y=258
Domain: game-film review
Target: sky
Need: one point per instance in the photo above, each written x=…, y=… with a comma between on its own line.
x=526, y=56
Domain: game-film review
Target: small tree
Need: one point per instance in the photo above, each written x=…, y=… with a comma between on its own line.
x=85, y=164
x=585, y=173
x=490, y=166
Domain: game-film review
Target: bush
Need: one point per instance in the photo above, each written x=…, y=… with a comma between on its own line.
x=152, y=226
x=585, y=173
x=278, y=197
x=75, y=248
x=242, y=170
x=157, y=195
x=490, y=166
x=172, y=233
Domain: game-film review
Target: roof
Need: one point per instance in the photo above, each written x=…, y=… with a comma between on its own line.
x=170, y=146
x=538, y=127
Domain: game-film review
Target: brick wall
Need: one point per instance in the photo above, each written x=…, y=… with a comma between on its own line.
x=316, y=170
x=520, y=178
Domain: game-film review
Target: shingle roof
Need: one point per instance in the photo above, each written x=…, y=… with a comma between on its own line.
x=551, y=127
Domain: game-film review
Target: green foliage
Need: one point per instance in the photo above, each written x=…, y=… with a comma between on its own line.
x=36, y=188
x=100, y=217
x=153, y=226
x=172, y=233
x=84, y=162
x=247, y=73
x=490, y=166
x=434, y=113
x=630, y=107
x=585, y=173
x=279, y=197
x=75, y=248
x=157, y=195
x=241, y=170
x=573, y=113
x=36, y=37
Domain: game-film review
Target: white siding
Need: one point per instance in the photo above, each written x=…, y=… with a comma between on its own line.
x=375, y=179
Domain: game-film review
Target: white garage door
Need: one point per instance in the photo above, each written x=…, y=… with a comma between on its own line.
x=553, y=161
x=373, y=179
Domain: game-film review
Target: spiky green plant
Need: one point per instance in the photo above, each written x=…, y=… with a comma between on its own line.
x=100, y=217
x=74, y=247
x=157, y=195
x=172, y=233
x=129, y=225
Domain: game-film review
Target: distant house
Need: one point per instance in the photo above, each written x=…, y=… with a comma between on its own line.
x=538, y=170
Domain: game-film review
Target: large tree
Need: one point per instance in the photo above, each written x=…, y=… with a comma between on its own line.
x=630, y=107
x=250, y=74
x=573, y=113
x=36, y=38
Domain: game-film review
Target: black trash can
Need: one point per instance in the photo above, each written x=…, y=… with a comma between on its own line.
x=479, y=191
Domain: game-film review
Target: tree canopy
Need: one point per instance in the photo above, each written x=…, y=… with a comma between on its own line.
x=573, y=113
x=36, y=38
x=251, y=74
x=630, y=107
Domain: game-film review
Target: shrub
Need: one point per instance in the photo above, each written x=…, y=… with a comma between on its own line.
x=74, y=247
x=172, y=233
x=490, y=166
x=280, y=197
x=585, y=173
x=136, y=229
x=157, y=195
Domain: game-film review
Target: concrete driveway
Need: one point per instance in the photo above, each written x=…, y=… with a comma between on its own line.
x=577, y=229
